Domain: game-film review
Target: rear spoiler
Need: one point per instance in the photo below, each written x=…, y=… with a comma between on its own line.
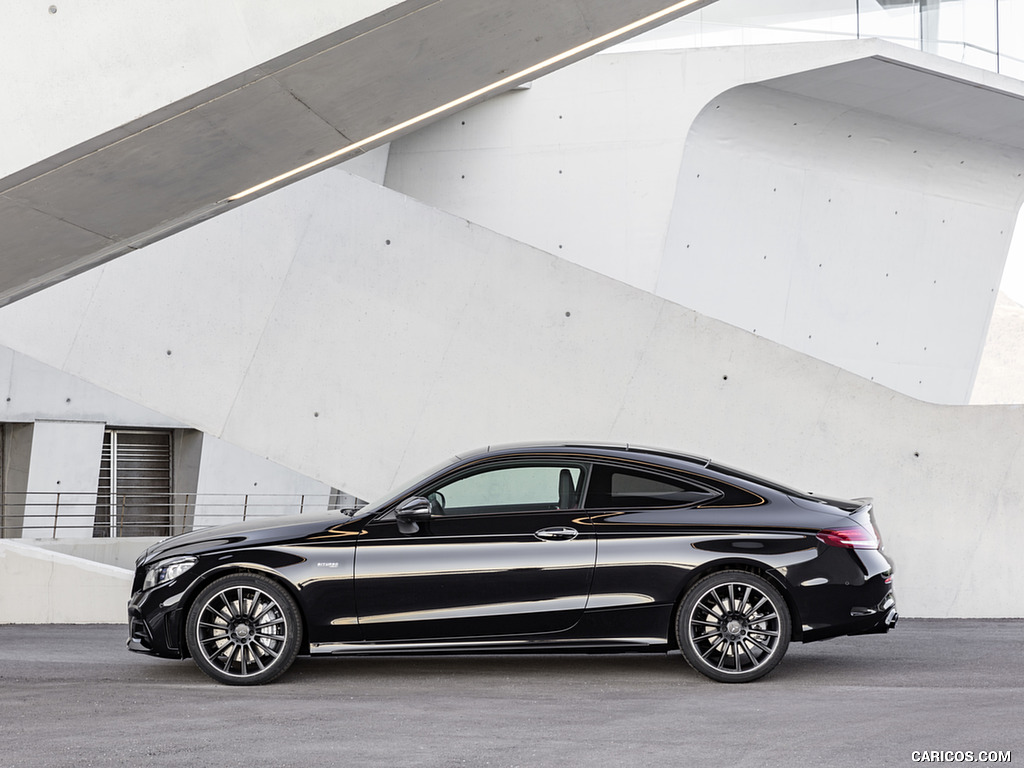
x=866, y=514
x=867, y=504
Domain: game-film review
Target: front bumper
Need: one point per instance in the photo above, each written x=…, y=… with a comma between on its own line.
x=154, y=627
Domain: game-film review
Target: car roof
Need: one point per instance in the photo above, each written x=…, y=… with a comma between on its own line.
x=623, y=450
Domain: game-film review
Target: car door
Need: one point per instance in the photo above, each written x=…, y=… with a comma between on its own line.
x=505, y=551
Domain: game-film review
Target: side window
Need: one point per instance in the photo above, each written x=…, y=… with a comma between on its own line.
x=511, y=488
x=617, y=487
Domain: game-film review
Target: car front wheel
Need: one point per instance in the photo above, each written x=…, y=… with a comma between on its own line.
x=243, y=629
x=733, y=627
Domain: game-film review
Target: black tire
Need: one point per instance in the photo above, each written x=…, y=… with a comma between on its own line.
x=733, y=627
x=243, y=629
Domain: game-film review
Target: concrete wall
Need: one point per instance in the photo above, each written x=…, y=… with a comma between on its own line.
x=796, y=191
x=1000, y=377
x=233, y=483
x=63, y=471
x=359, y=336
x=904, y=294
x=355, y=334
x=53, y=424
x=41, y=587
x=31, y=390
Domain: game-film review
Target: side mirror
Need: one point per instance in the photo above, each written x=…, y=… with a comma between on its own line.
x=413, y=508
x=410, y=512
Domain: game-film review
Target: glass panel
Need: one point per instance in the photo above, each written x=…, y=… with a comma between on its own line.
x=1011, y=38
x=894, y=20
x=962, y=30
x=783, y=21
x=980, y=25
x=752, y=22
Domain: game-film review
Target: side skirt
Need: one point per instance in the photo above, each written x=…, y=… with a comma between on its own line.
x=598, y=645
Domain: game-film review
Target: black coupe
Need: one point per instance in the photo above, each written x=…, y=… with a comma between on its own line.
x=540, y=548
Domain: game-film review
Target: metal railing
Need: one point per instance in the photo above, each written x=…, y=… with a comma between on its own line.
x=85, y=514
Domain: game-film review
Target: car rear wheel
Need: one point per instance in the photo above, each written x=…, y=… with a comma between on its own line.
x=243, y=629
x=733, y=627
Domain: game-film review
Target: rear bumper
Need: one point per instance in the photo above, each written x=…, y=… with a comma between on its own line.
x=883, y=618
x=863, y=620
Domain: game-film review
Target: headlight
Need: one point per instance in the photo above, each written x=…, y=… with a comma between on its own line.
x=166, y=570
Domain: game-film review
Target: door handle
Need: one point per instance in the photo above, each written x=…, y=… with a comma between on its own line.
x=560, y=533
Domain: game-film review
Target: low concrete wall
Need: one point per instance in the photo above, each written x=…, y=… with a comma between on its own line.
x=42, y=587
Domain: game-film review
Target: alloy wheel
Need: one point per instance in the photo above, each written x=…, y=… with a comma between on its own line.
x=243, y=630
x=734, y=627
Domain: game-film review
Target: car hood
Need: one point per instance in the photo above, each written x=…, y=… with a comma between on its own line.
x=252, y=532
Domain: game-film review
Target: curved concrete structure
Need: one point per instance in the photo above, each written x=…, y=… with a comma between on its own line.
x=358, y=334
x=351, y=356
x=851, y=200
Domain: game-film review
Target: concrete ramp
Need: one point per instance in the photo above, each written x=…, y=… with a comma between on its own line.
x=42, y=587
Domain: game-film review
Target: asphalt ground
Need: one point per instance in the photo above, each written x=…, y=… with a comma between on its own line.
x=74, y=696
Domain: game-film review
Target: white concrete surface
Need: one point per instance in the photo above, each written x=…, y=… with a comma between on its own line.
x=1000, y=379
x=42, y=587
x=90, y=67
x=31, y=390
x=853, y=200
x=233, y=483
x=55, y=423
x=359, y=336
x=873, y=244
x=62, y=476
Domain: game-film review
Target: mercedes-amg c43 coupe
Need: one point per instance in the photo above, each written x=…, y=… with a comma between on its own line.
x=547, y=548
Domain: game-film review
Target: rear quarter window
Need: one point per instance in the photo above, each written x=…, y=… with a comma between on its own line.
x=627, y=488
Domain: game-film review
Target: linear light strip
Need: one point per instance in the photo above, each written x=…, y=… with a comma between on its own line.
x=524, y=73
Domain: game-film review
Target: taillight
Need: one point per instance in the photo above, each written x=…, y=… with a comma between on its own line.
x=853, y=537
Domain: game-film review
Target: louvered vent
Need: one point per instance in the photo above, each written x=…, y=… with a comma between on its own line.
x=134, y=493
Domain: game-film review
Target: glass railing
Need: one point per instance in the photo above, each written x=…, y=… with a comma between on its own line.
x=983, y=33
